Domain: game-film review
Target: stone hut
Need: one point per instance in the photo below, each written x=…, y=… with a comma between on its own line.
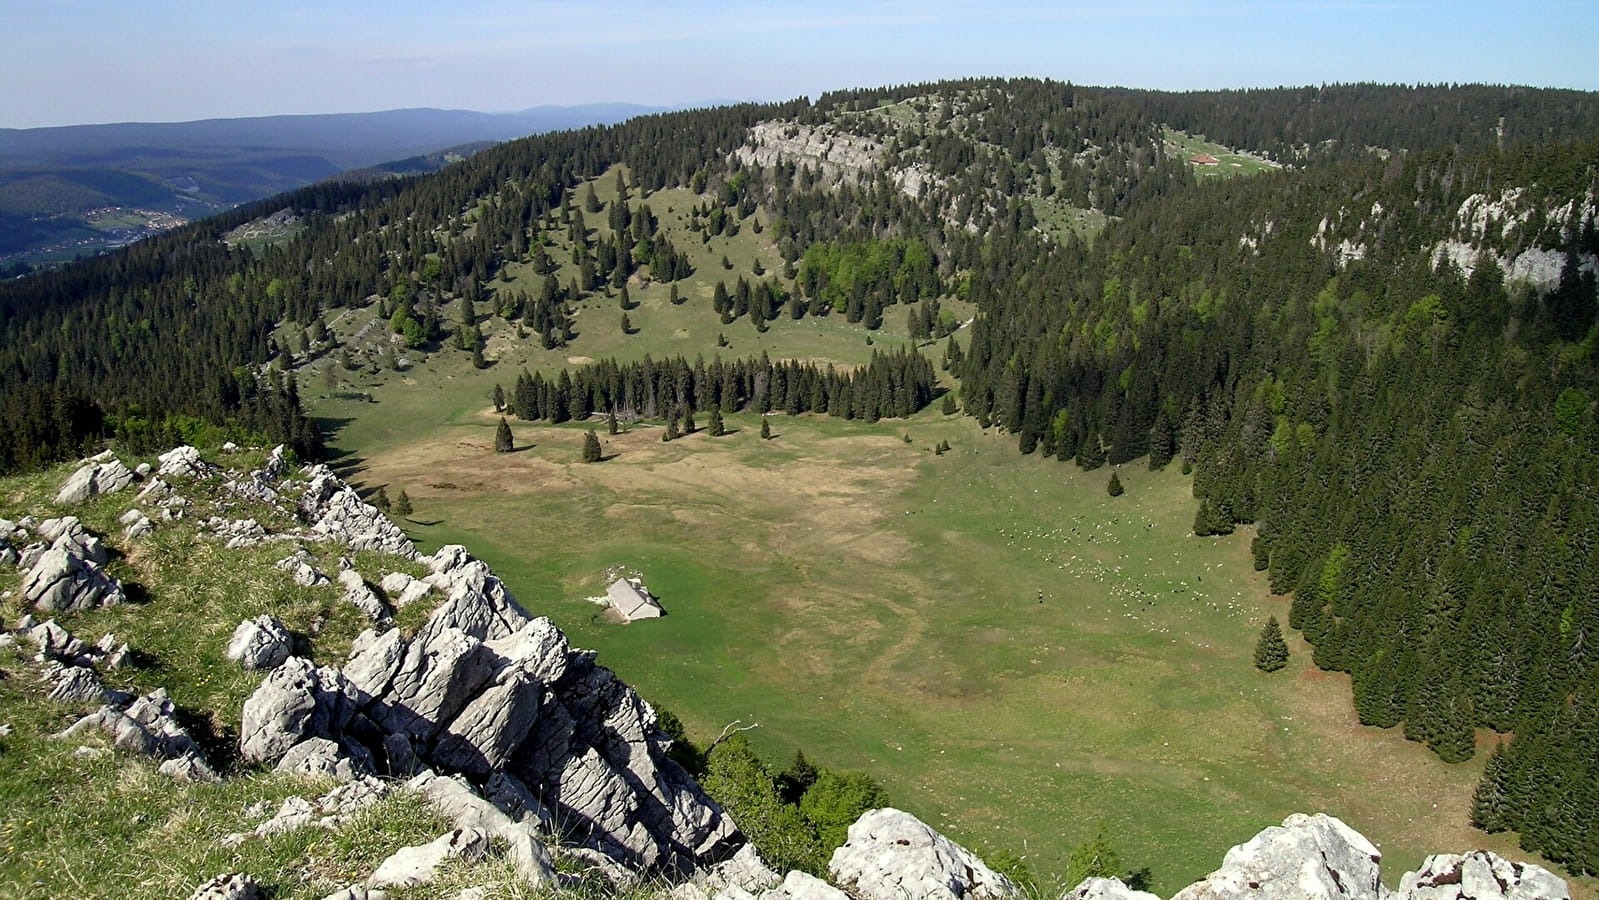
x=633, y=601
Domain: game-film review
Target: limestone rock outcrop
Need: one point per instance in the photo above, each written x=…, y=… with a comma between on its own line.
x=334, y=510
x=1479, y=875
x=100, y=476
x=485, y=691
x=148, y=726
x=230, y=886
x=183, y=462
x=411, y=866
x=1306, y=858
x=1105, y=889
x=800, y=886
x=67, y=577
x=260, y=643
x=891, y=854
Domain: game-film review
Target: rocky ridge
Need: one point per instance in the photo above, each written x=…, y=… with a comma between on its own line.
x=522, y=742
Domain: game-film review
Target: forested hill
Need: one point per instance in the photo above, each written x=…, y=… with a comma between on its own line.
x=1382, y=354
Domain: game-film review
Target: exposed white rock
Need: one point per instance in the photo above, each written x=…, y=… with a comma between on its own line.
x=231, y=886
x=183, y=462
x=1105, y=889
x=76, y=684
x=1306, y=858
x=94, y=479
x=484, y=690
x=403, y=590
x=63, y=579
x=800, y=886
x=318, y=757
x=237, y=533
x=329, y=811
x=411, y=866
x=333, y=509
x=300, y=567
x=891, y=854
x=260, y=643
x=69, y=534
x=357, y=594
x=1479, y=875
x=138, y=524
x=149, y=727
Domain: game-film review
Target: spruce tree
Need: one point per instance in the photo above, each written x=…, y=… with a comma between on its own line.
x=688, y=420
x=949, y=408
x=766, y=430
x=499, y=399
x=402, y=504
x=610, y=423
x=1271, y=651
x=381, y=499
x=717, y=428
x=1114, y=487
x=503, y=441
x=591, y=447
x=627, y=324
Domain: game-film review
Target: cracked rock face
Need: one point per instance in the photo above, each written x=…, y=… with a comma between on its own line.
x=486, y=692
x=1306, y=858
x=94, y=479
x=1479, y=875
x=183, y=462
x=333, y=509
x=891, y=854
x=1105, y=889
x=64, y=579
x=149, y=727
x=260, y=643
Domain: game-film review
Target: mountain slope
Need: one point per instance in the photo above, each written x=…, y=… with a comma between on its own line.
x=1416, y=443
x=51, y=177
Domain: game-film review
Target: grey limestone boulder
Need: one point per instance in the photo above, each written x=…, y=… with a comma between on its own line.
x=1105, y=889
x=1479, y=875
x=94, y=479
x=497, y=698
x=183, y=462
x=299, y=566
x=69, y=534
x=149, y=727
x=411, y=866
x=333, y=509
x=76, y=684
x=57, y=643
x=65, y=580
x=260, y=643
x=297, y=701
x=800, y=886
x=891, y=854
x=318, y=757
x=403, y=590
x=1306, y=858
x=231, y=886
x=359, y=595
x=137, y=524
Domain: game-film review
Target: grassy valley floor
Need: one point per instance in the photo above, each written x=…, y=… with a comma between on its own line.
x=1022, y=659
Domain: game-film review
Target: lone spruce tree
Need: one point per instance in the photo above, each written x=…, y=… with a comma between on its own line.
x=402, y=504
x=1114, y=487
x=766, y=430
x=503, y=442
x=1271, y=651
x=717, y=428
x=591, y=447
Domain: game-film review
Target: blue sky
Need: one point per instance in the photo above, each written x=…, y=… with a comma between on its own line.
x=65, y=62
